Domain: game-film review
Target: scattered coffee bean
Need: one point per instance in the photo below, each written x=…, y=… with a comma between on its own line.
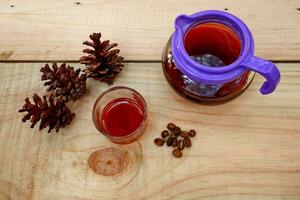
x=180, y=145
x=176, y=131
x=177, y=153
x=174, y=142
x=187, y=142
x=184, y=134
x=171, y=126
x=171, y=138
x=164, y=134
x=192, y=133
x=170, y=141
x=159, y=142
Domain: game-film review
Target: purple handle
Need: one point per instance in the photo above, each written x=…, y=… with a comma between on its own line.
x=265, y=68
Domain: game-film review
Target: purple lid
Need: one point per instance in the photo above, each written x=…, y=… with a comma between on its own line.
x=220, y=75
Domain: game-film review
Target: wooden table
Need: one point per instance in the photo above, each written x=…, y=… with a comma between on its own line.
x=246, y=149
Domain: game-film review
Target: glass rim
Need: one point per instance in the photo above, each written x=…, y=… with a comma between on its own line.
x=114, y=88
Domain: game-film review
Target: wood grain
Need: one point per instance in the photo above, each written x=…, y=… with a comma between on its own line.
x=55, y=30
x=246, y=149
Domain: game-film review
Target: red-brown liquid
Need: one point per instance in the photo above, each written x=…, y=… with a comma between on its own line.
x=214, y=45
x=121, y=117
x=215, y=39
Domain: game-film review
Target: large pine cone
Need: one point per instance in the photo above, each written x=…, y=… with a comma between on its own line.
x=64, y=82
x=52, y=113
x=103, y=62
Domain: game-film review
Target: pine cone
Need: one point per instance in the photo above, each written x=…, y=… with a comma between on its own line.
x=103, y=62
x=64, y=82
x=52, y=113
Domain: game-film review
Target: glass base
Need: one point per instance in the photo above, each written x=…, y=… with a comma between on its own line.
x=206, y=94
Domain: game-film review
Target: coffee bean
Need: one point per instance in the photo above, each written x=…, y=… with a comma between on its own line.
x=177, y=153
x=176, y=131
x=164, y=134
x=192, y=133
x=184, y=142
x=184, y=134
x=170, y=141
x=171, y=126
x=172, y=135
x=180, y=145
x=187, y=142
x=175, y=142
x=159, y=141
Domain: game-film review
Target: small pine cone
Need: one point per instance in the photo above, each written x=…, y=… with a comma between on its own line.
x=103, y=62
x=49, y=111
x=64, y=82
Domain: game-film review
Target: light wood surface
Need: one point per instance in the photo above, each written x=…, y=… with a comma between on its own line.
x=55, y=30
x=246, y=149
